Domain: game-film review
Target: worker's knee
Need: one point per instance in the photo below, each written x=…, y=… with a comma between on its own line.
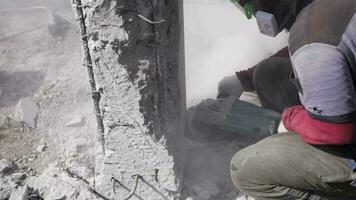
x=240, y=171
x=236, y=167
x=257, y=167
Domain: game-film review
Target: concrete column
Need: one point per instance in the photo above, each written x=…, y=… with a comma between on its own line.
x=137, y=52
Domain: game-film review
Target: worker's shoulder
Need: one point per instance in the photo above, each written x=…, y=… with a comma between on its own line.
x=322, y=21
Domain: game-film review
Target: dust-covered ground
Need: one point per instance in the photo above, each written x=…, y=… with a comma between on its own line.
x=40, y=58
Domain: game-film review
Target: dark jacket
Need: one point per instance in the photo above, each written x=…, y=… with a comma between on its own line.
x=322, y=47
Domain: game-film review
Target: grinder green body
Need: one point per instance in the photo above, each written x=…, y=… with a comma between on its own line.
x=246, y=118
x=223, y=119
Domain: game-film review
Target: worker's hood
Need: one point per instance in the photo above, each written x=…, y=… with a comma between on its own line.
x=285, y=11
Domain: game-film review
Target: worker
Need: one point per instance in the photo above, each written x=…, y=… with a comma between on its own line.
x=312, y=83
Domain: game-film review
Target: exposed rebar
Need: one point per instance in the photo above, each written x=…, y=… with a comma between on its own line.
x=87, y=61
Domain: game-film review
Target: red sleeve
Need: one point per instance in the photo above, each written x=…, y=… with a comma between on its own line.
x=318, y=132
x=245, y=76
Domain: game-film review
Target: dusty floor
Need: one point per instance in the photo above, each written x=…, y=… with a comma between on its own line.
x=19, y=144
x=47, y=68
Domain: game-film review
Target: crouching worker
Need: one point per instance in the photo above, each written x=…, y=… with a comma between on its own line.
x=314, y=90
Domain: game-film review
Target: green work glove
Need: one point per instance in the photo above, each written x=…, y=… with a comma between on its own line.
x=205, y=122
x=230, y=86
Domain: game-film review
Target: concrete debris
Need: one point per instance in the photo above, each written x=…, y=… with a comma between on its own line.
x=9, y=179
x=33, y=194
x=54, y=183
x=4, y=121
x=55, y=92
x=6, y=187
x=76, y=121
x=18, y=177
x=41, y=148
x=58, y=27
x=21, y=193
x=80, y=171
x=6, y=167
x=167, y=178
x=26, y=111
x=4, y=195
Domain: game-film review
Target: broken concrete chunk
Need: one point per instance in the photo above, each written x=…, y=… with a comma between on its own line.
x=6, y=167
x=18, y=177
x=20, y=194
x=4, y=121
x=4, y=195
x=76, y=121
x=26, y=111
x=41, y=148
x=34, y=194
x=167, y=178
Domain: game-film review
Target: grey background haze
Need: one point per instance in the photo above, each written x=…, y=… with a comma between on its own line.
x=219, y=40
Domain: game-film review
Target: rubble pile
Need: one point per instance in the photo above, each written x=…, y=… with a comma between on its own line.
x=10, y=178
x=47, y=127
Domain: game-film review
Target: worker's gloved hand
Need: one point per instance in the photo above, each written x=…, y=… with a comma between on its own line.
x=213, y=112
x=230, y=86
x=205, y=121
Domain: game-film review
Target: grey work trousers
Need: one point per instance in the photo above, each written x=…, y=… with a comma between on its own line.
x=282, y=166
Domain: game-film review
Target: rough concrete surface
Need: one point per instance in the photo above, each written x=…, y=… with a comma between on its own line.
x=138, y=71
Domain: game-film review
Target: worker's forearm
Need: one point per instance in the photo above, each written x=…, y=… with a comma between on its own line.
x=246, y=76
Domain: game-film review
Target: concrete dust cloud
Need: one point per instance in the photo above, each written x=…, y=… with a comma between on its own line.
x=219, y=41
